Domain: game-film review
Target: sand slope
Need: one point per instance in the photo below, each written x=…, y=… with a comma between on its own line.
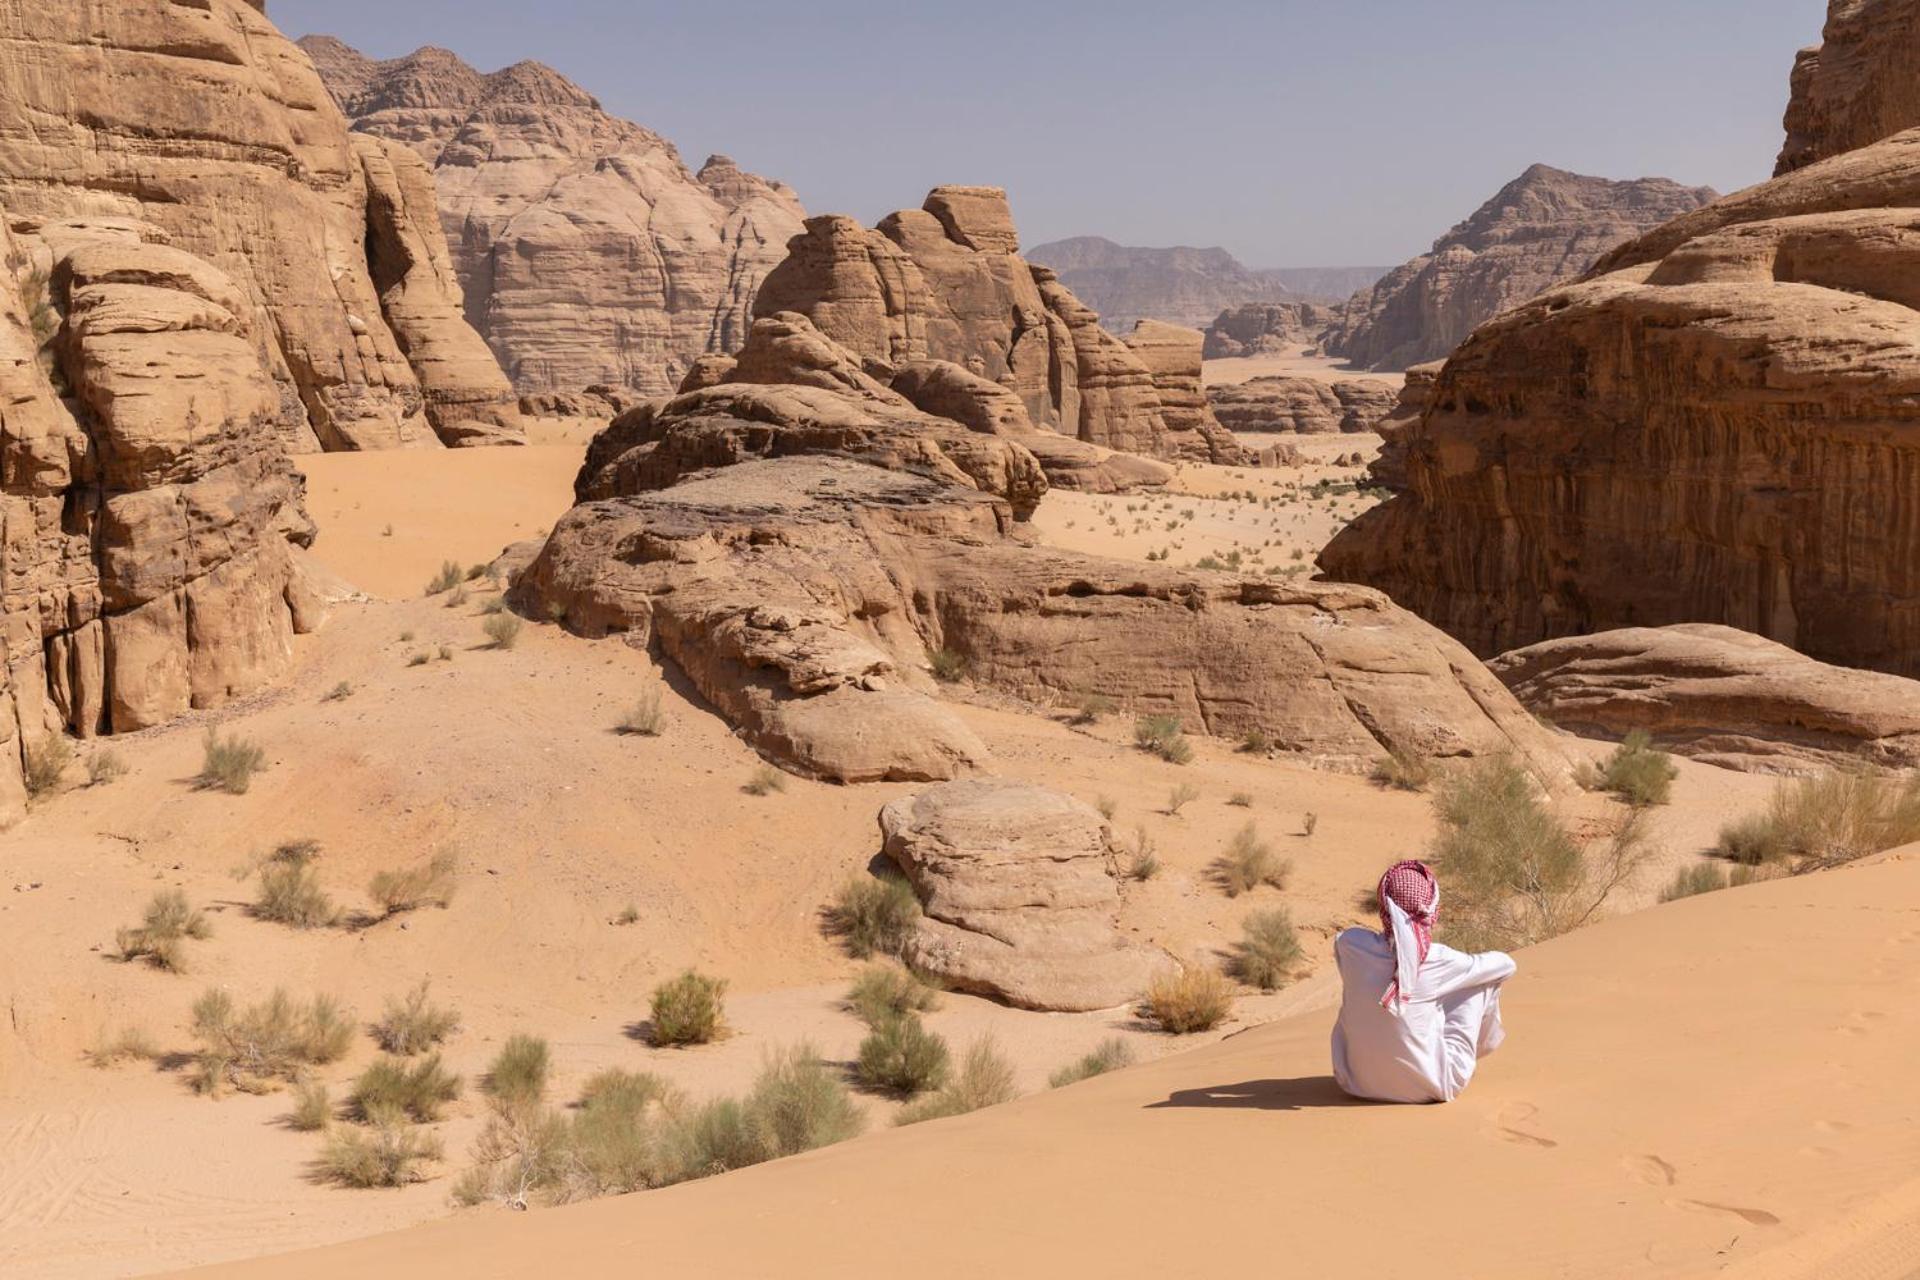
x=1720, y=1083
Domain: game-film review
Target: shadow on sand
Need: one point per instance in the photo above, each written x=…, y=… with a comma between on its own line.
x=1297, y=1094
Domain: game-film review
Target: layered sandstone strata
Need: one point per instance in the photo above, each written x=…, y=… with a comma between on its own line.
x=1858, y=86
x=1308, y=406
x=1542, y=229
x=588, y=253
x=1267, y=328
x=201, y=120
x=1172, y=357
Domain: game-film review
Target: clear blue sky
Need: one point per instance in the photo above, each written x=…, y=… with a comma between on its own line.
x=1294, y=133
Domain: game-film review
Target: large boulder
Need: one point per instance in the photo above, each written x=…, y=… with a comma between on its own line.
x=1020, y=896
x=1172, y=356
x=1723, y=696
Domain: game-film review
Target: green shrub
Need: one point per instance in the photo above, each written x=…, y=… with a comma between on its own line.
x=713, y=1138
x=884, y=991
x=947, y=666
x=503, y=629
x=798, y=1104
x=688, y=1009
x=1403, y=771
x=901, y=1056
x=46, y=764
x=1194, y=999
x=447, y=579
x=1828, y=819
x=645, y=718
x=1702, y=877
x=517, y=1080
x=163, y=932
x=1269, y=950
x=228, y=764
x=418, y=1090
x=409, y=889
x=1637, y=773
x=1110, y=1055
x=875, y=915
x=413, y=1025
x=105, y=766
x=1257, y=742
x=312, y=1107
x=765, y=781
x=388, y=1153
x=1249, y=863
x=290, y=894
x=257, y=1048
x=984, y=1080
x=1161, y=735
x=1755, y=840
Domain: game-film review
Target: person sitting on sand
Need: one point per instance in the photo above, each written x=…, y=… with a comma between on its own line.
x=1416, y=1016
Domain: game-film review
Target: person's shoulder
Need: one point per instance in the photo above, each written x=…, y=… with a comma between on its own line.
x=1358, y=939
x=1448, y=955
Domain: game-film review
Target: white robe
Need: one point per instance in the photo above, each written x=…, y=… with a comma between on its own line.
x=1425, y=1049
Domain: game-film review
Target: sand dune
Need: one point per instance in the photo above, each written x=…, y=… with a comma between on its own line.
x=1720, y=1086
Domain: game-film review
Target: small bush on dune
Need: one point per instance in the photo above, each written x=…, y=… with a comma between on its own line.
x=645, y=718
x=502, y=629
x=901, y=1056
x=798, y=1104
x=1143, y=860
x=1249, y=863
x=713, y=1138
x=228, y=764
x=409, y=889
x=387, y=1153
x=1161, y=735
x=883, y=991
x=418, y=1090
x=1180, y=797
x=456, y=597
x=1829, y=819
x=1636, y=772
x=1402, y=771
x=290, y=894
x=130, y=1044
x=339, y=693
x=985, y=1079
x=46, y=764
x=688, y=1009
x=312, y=1107
x=257, y=1048
x=105, y=767
x=1257, y=742
x=612, y=1145
x=449, y=577
x=1093, y=707
x=1195, y=999
x=1111, y=1055
x=163, y=932
x=518, y=1077
x=874, y=914
x=765, y=781
x=1755, y=840
x=1269, y=950
x=413, y=1025
x=1705, y=877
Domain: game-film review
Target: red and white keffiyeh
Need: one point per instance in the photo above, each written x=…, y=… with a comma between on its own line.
x=1409, y=905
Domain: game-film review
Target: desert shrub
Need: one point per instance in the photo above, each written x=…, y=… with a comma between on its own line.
x=1637, y=773
x=502, y=629
x=1110, y=1055
x=339, y=693
x=418, y=1090
x=1194, y=999
x=765, y=781
x=476, y=571
x=1241, y=799
x=1309, y=823
x=1257, y=742
x=713, y=1138
x=1106, y=806
x=1161, y=735
x=456, y=597
x=523, y=1154
x=947, y=666
x=798, y=1104
x=1827, y=819
x=387, y=1153
x=420, y=659
x=1514, y=875
x=447, y=579
x=129, y=1044
x=409, y=889
x=1180, y=797
x=901, y=1056
x=985, y=1079
x=1093, y=707
x=1269, y=949
x=629, y=914
x=1250, y=862
x=105, y=766
x=46, y=763
x=228, y=764
x=1143, y=860
x=290, y=894
x=517, y=1080
x=611, y=1143
x=1402, y=771
x=163, y=932
x=645, y=718
x=688, y=1009
x=444, y=653
x=493, y=605
x=1703, y=877
x=884, y=991
x=257, y=1048
x=413, y=1024
x=874, y=915
x=312, y=1107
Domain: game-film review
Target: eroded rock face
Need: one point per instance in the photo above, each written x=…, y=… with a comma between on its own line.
x=1727, y=697
x=201, y=120
x=588, y=252
x=1858, y=86
x=1310, y=406
x=1021, y=898
x=1267, y=328
x=1544, y=228
x=1715, y=427
x=1172, y=356
x=945, y=282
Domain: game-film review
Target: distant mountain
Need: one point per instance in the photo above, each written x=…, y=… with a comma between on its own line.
x=1183, y=285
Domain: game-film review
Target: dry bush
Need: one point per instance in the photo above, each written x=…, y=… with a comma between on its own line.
x=1110, y=1055
x=688, y=1009
x=228, y=764
x=1162, y=736
x=312, y=1107
x=985, y=1079
x=611, y=1144
x=290, y=891
x=1269, y=950
x=1402, y=771
x=1636, y=772
x=1143, y=861
x=884, y=991
x=456, y=597
x=339, y=693
x=1257, y=742
x=1514, y=875
x=1828, y=819
x=1706, y=877
x=765, y=781
x=901, y=1056
x=163, y=932
x=1093, y=707
x=413, y=1025
x=45, y=764
x=420, y=659
x=517, y=1080
x=1195, y=999
x=1106, y=806
x=409, y=889
x=713, y=1138
x=1241, y=799
x=874, y=915
x=629, y=914
x=1250, y=862
x=1309, y=823
x=947, y=666
x=1180, y=797
x=798, y=1103
x=502, y=629
x=645, y=718
x=388, y=1153
x=449, y=577
x=258, y=1048
x=417, y=1090
x=130, y=1044
x=105, y=767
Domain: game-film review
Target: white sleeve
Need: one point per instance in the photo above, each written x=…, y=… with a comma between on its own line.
x=1459, y=971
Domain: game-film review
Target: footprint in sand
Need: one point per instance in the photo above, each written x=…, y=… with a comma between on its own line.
x=1832, y=1126
x=1515, y=1115
x=1755, y=1217
x=1652, y=1170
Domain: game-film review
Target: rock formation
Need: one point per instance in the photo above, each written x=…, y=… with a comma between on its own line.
x=588, y=253
x=1719, y=695
x=1856, y=88
x=1267, y=328
x=1172, y=357
x=946, y=282
x=1389, y=469
x=1544, y=228
x=1309, y=406
x=798, y=546
x=201, y=120
x=1020, y=894
x=1716, y=426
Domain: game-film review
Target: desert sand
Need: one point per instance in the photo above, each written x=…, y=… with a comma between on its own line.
x=1303, y=364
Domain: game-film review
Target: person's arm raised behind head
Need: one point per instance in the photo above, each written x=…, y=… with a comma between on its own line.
x=1452, y=971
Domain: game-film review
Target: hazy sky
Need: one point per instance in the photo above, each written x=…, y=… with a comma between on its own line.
x=1329, y=132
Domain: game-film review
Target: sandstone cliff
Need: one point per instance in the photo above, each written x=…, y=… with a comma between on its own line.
x=1544, y=228
x=1127, y=284
x=1858, y=86
x=1271, y=328
x=1308, y=406
x=588, y=253
x=201, y=120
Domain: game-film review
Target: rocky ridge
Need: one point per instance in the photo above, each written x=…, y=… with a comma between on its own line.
x=1856, y=87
